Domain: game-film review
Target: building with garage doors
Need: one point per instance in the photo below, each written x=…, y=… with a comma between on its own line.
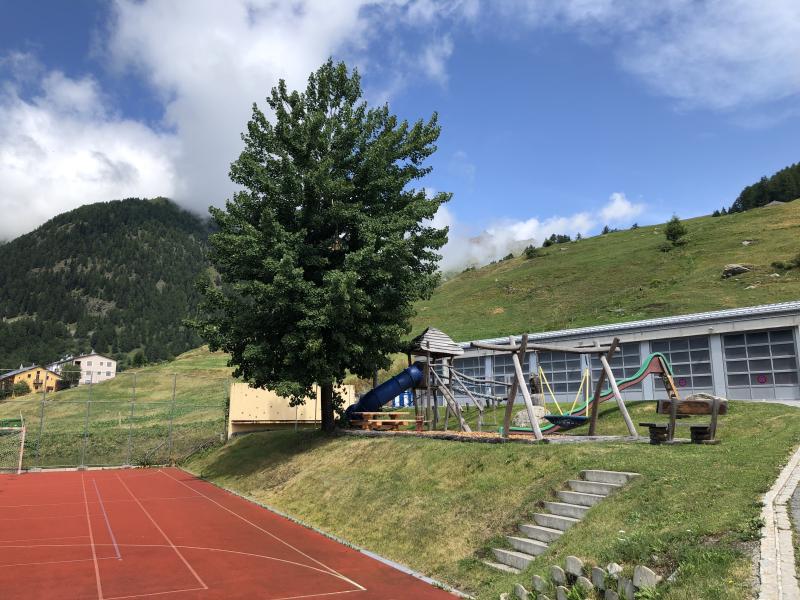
x=742, y=354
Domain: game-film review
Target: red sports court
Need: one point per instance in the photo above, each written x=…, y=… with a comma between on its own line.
x=141, y=533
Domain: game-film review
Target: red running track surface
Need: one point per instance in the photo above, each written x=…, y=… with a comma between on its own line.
x=162, y=533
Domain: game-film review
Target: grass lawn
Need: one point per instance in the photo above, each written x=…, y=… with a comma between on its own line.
x=116, y=433
x=440, y=506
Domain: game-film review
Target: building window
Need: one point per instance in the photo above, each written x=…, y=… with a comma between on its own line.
x=690, y=359
x=503, y=369
x=625, y=363
x=761, y=358
x=108, y=373
x=563, y=371
x=88, y=363
x=472, y=366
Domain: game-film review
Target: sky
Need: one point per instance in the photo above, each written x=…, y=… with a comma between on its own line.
x=557, y=116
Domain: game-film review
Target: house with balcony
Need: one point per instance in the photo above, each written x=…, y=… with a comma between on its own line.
x=36, y=378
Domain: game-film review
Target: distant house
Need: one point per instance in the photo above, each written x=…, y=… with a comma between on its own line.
x=36, y=378
x=94, y=367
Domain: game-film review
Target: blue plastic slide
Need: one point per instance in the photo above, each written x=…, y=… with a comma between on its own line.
x=374, y=399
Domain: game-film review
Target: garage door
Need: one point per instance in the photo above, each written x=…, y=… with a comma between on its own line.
x=762, y=365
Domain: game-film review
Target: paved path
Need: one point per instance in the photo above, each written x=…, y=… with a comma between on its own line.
x=777, y=564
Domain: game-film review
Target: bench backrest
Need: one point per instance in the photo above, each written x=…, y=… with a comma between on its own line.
x=692, y=407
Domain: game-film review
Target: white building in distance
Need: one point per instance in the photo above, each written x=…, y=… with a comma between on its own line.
x=94, y=367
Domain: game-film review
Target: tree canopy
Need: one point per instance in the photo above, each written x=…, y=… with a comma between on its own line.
x=328, y=245
x=783, y=186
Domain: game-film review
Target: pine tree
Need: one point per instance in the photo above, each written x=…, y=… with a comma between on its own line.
x=674, y=231
x=325, y=251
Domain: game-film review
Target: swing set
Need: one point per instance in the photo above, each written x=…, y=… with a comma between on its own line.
x=568, y=420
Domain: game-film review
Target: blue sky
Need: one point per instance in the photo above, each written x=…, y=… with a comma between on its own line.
x=556, y=116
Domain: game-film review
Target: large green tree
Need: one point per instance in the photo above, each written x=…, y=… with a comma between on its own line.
x=323, y=253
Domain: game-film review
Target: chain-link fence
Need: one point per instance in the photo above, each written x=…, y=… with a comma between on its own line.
x=148, y=418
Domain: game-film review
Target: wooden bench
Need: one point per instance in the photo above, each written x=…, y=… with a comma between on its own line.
x=700, y=433
x=384, y=421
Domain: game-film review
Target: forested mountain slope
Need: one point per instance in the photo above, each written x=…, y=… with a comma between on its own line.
x=114, y=277
x=625, y=275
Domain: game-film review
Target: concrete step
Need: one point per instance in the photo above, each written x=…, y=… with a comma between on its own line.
x=554, y=521
x=579, y=498
x=543, y=534
x=512, y=558
x=501, y=567
x=563, y=509
x=615, y=477
x=527, y=545
x=592, y=487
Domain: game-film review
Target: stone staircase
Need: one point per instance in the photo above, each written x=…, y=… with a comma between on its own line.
x=573, y=505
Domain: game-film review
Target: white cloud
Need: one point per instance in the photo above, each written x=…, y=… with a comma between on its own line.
x=434, y=58
x=509, y=235
x=62, y=148
x=207, y=62
x=715, y=54
x=619, y=209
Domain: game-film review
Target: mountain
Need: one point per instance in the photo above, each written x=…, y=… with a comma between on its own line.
x=115, y=277
x=783, y=186
x=623, y=276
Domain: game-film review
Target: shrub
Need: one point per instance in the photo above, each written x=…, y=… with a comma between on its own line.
x=665, y=246
x=675, y=230
x=508, y=256
x=21, y=388
x=531, y=251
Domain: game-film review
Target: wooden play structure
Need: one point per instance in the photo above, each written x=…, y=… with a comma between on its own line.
x=572, y=418
x=656, y=364
x=433, y=376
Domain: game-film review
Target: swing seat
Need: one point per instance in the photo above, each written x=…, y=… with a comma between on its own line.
x=567, y=421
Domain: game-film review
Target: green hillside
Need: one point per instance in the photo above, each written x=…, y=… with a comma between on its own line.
x=114, y=276
x=624, y=276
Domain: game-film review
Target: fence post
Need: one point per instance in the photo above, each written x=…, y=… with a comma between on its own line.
x=85, y=435
x=130, y=423
x=171, y=417
x=39, y=437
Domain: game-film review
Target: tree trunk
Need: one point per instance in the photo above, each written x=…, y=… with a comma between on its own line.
x=326, y=393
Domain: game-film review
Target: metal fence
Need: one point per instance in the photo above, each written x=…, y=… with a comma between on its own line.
x=133, y=419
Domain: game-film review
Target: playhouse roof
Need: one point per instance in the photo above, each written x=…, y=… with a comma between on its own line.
x=436, y=342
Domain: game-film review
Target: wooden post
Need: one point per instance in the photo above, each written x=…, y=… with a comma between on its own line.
x=537, y=433
x=599, y=388
x=512, y=392
x=714, y=416
x=454, y=408
x=478, y=403
x=428, y=384
x=620, y=403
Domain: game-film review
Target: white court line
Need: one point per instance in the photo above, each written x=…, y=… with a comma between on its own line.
x=55, y=562
x=43, y=518
x=91, y=541
x=225, y=550
x=161, y=531
x=47, y=539
x=4, y=506
x=333, y=571
x=157, y=593
x=105, y=514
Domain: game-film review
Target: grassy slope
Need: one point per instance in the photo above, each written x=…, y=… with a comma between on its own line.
x=200, y=392
x=439, y=506
x=622, y=276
